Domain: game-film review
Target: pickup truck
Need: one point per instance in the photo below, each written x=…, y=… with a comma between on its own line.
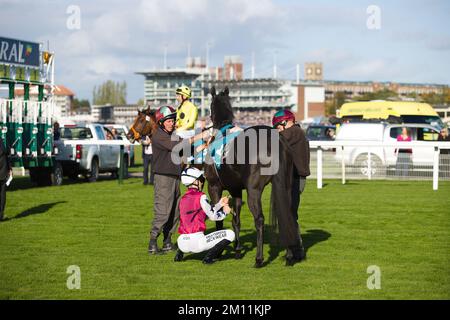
x=89, y=150
x=384, y=156
x=122, y=131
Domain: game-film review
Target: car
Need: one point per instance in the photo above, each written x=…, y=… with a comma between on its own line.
x=383, y=157
x=122, y=130
x=85, y=149
x=320, y=132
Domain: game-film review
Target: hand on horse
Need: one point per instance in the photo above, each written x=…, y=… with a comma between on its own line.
x=201, y=147
x=206, y=135
x=224, y=201
x=226, y=208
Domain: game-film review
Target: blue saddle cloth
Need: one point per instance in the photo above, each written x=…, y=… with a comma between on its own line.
x=217, y=147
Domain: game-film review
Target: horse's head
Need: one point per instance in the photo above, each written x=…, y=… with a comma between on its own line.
x=143, y=125
x=221, y=110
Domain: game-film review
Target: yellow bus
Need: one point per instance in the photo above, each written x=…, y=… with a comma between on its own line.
x=390, y=111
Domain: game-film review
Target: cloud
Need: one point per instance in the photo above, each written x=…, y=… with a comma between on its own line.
x=439, y=43
x=366, y=69
x=118, y=38
x=107, y=66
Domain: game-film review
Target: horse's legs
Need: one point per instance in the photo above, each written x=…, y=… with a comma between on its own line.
x=255, y=206
x=237, y=225
x=215, y=192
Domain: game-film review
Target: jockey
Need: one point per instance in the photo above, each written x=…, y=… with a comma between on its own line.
x=283, y=118
x=194, y=209
x=187, y=113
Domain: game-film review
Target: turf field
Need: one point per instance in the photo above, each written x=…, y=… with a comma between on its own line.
x=401, y=227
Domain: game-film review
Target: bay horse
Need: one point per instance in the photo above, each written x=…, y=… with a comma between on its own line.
x=144, y=125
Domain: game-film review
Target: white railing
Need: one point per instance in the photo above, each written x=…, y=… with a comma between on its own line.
x=375, y=160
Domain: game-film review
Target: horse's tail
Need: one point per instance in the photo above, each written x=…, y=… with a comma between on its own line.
x=281, y=216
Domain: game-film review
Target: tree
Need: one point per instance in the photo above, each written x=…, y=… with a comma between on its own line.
x=140, y=102
x=110, y=92
x=378, y=95
x=80, y=106
x=335, y=103
x=437, y=98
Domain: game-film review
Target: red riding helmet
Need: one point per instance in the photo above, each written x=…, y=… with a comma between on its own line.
x=165, y=113
x=282, y=115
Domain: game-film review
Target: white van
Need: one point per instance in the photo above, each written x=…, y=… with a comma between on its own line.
x=384, y=157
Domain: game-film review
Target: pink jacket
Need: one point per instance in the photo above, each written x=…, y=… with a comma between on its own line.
x=194, y=209
x=408, y=139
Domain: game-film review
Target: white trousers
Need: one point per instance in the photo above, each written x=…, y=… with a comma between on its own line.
x=199, y=242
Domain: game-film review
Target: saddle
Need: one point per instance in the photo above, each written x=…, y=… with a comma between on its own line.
x=217, y=146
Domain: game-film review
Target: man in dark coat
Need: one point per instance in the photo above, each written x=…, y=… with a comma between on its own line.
x=284, y=122
x=166, y=181
x=166, y=178
x=5, y=173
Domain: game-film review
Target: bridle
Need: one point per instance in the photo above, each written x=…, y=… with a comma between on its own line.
x=142, y=124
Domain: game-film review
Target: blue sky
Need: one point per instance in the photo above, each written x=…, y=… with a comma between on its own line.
x=118, y=38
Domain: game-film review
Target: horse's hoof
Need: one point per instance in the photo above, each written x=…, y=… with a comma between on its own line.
x=291, y=261
x=238, y=255
x=259, y=264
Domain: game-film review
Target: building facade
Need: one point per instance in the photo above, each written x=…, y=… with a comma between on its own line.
x=63, y=98
x=119, y=114
x=354, y=89
x=310, y=100
x=160, y=85
x=256, y=100
x=313, y=71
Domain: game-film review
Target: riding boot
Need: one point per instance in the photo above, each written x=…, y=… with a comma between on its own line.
x=178, y=256
x=153, y=246
x=216, y=251
x=167, y=243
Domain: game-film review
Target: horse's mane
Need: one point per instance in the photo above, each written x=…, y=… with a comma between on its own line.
x=221, y=109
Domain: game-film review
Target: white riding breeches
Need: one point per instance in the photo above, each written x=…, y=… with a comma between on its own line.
x=199, y=242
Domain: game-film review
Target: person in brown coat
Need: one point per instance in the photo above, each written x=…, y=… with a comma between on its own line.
x=284, y=122
x=5, y=173
x=166, y=179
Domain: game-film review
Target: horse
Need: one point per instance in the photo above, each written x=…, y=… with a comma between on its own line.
x=236, y=176
x=144, y=125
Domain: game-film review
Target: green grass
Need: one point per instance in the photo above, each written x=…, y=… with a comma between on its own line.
x=138, y=162
x=402, y=227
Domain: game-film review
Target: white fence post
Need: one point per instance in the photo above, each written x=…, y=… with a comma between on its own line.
x=369, y=165
x=343, y=165
x=319, y=167
x=436, y=168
